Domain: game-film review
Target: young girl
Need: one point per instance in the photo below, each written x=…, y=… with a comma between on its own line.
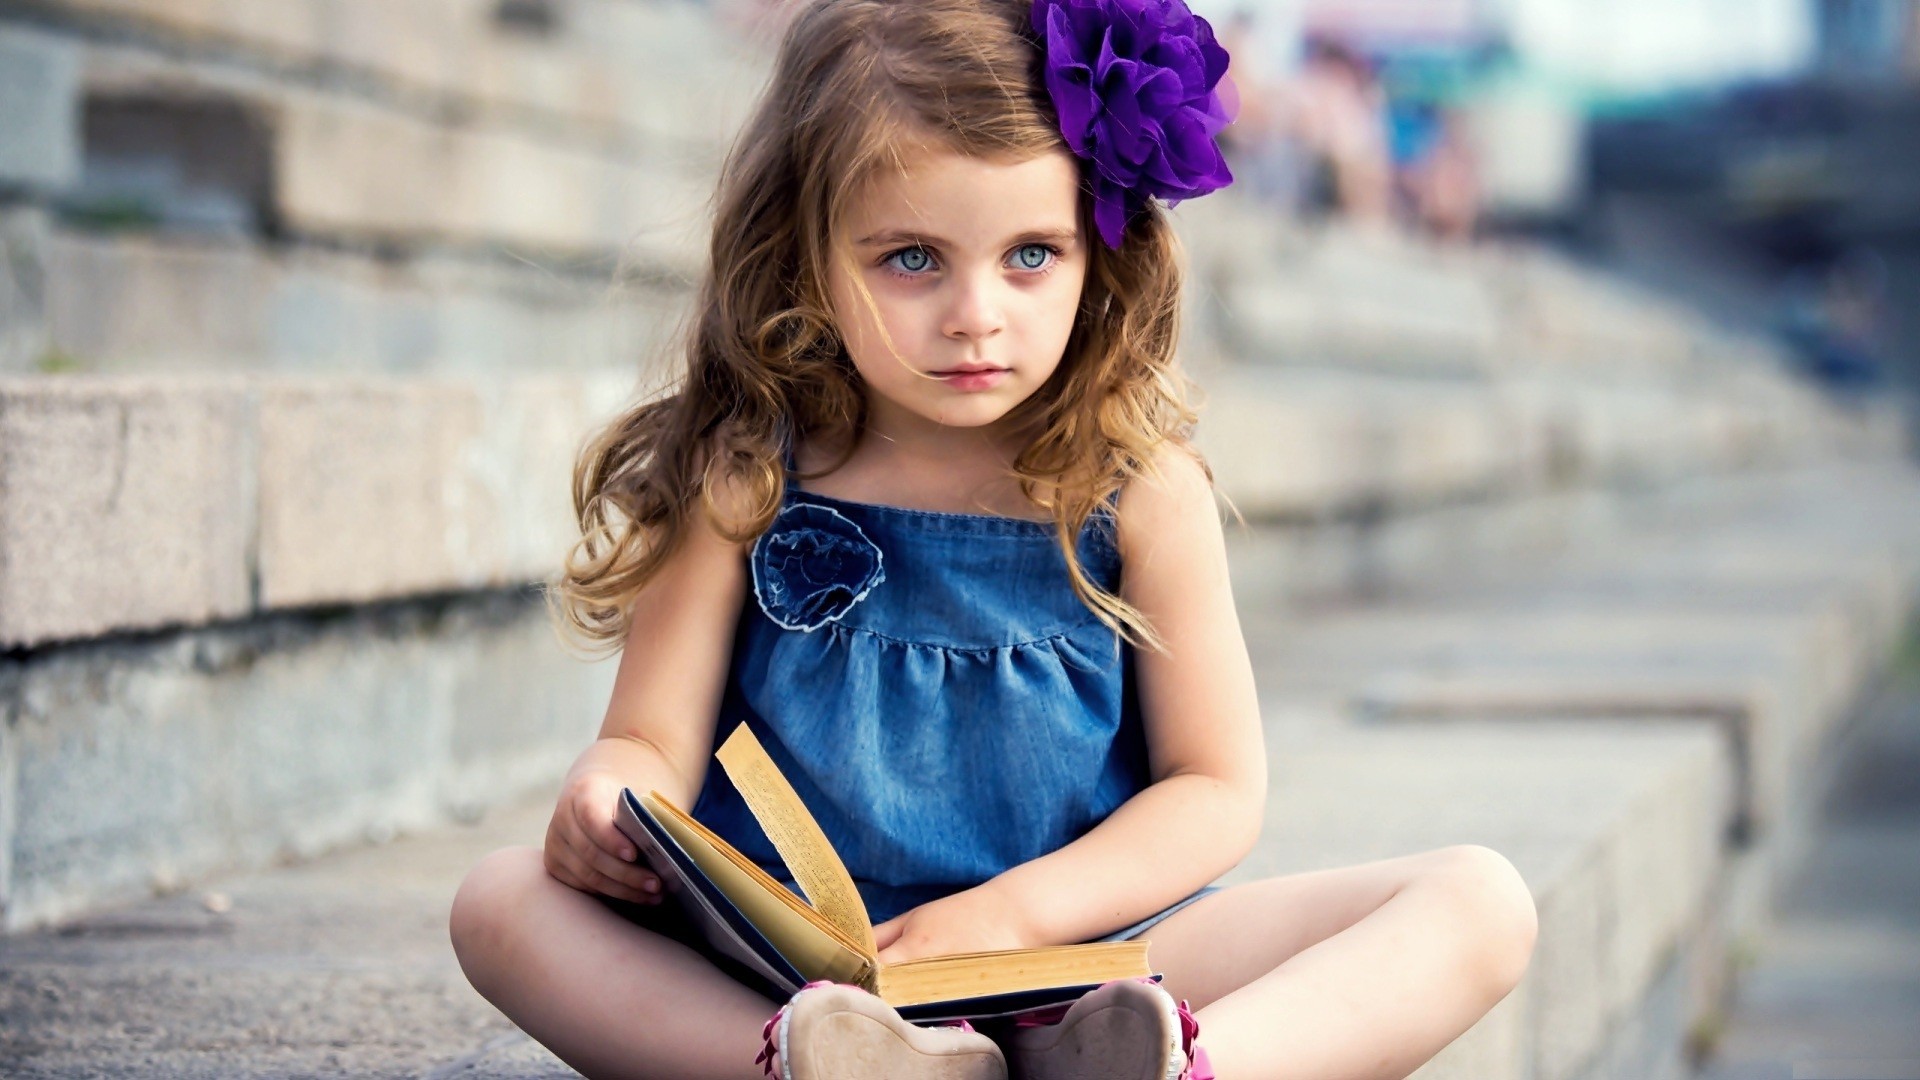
x=924, y=515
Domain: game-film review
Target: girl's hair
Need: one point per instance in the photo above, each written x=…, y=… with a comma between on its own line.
x=857, y=82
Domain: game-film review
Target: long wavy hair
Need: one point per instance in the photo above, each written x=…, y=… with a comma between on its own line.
x=854, y=82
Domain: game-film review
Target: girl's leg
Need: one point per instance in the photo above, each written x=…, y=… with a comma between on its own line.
x=1364, y=971
x=608, y=996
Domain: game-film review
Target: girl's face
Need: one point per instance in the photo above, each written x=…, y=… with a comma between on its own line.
x=971, y=263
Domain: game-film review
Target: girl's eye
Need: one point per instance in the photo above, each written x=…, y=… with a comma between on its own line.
x=913, y=260
x=1034, y=256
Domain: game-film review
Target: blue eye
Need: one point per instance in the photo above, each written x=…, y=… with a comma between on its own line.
x=913, y=260
x=1033, y=256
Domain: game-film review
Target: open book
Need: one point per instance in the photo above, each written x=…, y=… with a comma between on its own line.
x=743, y=913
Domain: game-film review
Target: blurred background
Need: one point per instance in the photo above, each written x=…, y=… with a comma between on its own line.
x=1557, y=358
x=1754, y=159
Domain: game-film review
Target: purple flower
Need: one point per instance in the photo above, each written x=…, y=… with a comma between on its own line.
x=1134, y=83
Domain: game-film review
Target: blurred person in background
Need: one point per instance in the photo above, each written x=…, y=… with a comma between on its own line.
x=1335, y=109
x=1438, y=176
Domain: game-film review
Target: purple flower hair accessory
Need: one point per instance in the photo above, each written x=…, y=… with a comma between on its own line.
x=1135, y=84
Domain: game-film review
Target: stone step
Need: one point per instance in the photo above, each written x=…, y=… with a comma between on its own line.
x=1749, y=709
x=1769, y=635
x=362, y=173
x=1307, y=294
x=656, y=68
x=1290, y=444
x=1836, y=544
x=388, y=489
x=138, y=765
x=342, y=963
x=335, y=966
x=146, y=304
x=340, y=169
x=243, y=496
x=1619, y=838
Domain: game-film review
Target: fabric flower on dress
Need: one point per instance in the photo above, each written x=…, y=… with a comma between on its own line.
x=812, y=565
x=1135, y=83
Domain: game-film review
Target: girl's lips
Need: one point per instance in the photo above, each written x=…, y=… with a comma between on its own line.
x=973, y=380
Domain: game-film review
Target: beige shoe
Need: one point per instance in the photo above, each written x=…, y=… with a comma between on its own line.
x=833, y=1031
x=1128, y=1029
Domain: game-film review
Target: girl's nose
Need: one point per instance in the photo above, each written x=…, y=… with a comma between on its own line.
x=974, y=309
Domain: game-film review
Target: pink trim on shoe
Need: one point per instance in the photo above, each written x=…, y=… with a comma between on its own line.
x=1198, y=1067
x=765, y=1058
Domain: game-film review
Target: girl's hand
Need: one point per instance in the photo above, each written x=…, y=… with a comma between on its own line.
x=972, y=920
x=586, y=850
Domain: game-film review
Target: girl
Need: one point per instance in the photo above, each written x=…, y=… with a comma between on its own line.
x=924, y=514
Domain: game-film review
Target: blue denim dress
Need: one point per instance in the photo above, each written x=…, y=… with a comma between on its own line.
x=940, y=699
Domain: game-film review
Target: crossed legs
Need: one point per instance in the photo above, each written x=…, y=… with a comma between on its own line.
x=1357, y=972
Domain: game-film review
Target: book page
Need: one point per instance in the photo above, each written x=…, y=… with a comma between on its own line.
x=815, y=953
x=1010, y=971
x=796, y=836
x=662, y=810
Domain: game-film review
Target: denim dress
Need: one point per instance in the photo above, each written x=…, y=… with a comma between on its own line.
x=939, y=697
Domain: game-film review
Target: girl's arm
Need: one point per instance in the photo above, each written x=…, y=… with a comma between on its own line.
x=659, y=726
x=1203, y=810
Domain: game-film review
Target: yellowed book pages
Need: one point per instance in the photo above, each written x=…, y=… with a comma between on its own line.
x=796, y=930
x=962, y=975
x=802, y=844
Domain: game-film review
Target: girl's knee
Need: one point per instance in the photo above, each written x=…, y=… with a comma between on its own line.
x=1498, y=906
x=481, y=919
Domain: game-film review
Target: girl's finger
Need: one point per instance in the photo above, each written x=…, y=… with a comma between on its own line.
x=597, y=823
x=571, y=853
x=627, y=874
x=606, y=886
x=600, y=830
x=579, y=875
